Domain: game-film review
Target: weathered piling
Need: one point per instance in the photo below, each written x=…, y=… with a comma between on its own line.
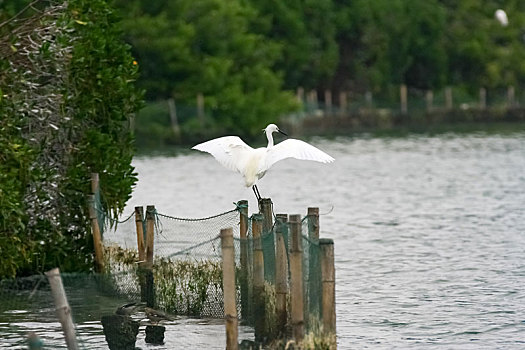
x=243, y=223
x=155, y=334
x=62, y=307
x=314, y=266
x=265, y=208
x=259, y=306
x=228, y=282
x=139, y=223
x=403, y=99
x=141, y=248
x=120, y=331
x=95, y=224
x=281, y=273
x=97, y=236
x=296, y=278
x=148, y=266
x=328, y=281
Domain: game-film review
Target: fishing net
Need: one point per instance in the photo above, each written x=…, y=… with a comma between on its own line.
x=184, y=279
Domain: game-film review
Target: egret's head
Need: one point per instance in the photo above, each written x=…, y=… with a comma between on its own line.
x=271, y=128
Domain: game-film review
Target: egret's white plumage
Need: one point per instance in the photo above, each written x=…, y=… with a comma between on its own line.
x=501, y=17
x=252, y=163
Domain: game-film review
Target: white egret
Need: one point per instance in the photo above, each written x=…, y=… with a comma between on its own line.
x=252, y=163
x=501, y=17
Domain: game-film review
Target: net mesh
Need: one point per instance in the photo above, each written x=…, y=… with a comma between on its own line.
x=184, y=279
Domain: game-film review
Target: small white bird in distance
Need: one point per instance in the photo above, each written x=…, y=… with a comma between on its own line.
x=252, y=163
x=502, y=18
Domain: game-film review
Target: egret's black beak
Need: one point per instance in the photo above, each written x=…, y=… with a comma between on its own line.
x=282, y=132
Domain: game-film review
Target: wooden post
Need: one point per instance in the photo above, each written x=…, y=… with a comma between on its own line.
x=343, y=102
x=228, y=283
x=328, y=100
x=281, y=273
x=200, y=108
x=429, y=97
x=313, y=98
x=150, y=239
x=259, y=307
x=97, y=237
x=268, y=244
x=173, y=117
x=141, y=248
x=403, y=95
x=314, y=268
x=328, y=278
x=482, y=98
x=95, y=183
x=448, y=97
x=296, y=279
x=62, y=307
x=139, y=216
x=300, y=95
x=243, y=220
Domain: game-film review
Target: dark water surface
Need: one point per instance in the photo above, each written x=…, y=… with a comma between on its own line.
x=429, y=236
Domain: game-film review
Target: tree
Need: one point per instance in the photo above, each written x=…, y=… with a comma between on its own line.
x=188, y=47
x=67, y=91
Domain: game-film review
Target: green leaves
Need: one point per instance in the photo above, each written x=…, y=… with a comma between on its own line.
x=66, y=98
x=208, y=47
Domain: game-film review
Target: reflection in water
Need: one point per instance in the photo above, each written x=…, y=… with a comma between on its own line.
x=428, y=234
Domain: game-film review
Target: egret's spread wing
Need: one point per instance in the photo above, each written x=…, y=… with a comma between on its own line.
x=292, y=148
x=226, y=150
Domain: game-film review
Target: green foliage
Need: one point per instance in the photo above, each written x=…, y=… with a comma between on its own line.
x=67, y=93
x=241, y=54
x=187, y=47
x=182, y=285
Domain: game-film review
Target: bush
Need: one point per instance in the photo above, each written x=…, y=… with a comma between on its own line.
x=65, y=100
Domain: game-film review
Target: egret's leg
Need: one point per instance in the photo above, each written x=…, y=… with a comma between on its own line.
x=256, y=191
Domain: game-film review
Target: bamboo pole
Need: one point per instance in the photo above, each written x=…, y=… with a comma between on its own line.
x=268, y=246
x=296, y=279
x=62, y=307
x=281, y=273
x=228, y=283
x=258, y=279
x=314, y=268
x=97, y=237
x=150, y=239
x=403, y=95
x=243, y=220
x=328, y=280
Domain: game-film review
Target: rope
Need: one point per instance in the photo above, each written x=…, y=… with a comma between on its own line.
x=201, y=219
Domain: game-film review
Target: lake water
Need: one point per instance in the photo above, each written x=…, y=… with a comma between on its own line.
x=429, y=231
x=429, y=235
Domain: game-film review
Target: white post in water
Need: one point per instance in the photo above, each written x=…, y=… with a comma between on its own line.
x=62, y=307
